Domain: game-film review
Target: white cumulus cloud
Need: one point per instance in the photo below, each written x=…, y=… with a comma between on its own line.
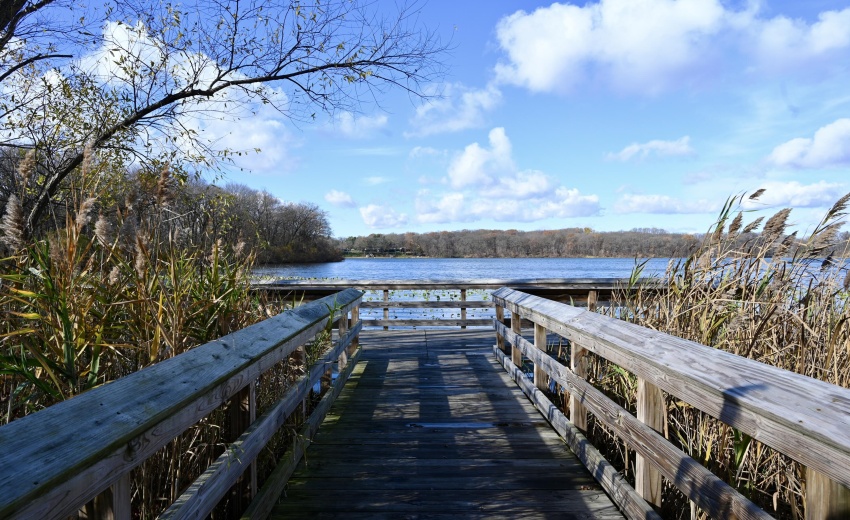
x=357, y=127
x=660, y=204
x=651, y=46
x=829, y=147
x=381, y=217
x=797, y=195
x=485, y=183
x=679, y=148
x=340, y=199
x=455, y=108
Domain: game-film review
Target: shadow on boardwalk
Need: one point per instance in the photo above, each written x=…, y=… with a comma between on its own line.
x=430, y=426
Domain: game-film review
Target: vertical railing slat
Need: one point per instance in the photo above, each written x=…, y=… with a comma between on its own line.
x=463, y=309
x=578, y=364
x=541, y=378
x=500, y=317
x=825, y=498
x=651, y=411
x=516, y=326
x=386, y=308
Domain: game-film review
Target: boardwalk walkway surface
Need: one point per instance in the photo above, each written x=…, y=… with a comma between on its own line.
x=431, y=426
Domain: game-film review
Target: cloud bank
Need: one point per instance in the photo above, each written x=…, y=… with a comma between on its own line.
x=647, y=47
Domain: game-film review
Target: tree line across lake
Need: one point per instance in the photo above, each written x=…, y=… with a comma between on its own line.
x=559, y=243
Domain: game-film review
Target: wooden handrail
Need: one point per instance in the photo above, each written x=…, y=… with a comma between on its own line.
x=803, y=418
x=578, y=291
x=58, y=459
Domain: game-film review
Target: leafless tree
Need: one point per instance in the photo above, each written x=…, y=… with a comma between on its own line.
x=134, y=85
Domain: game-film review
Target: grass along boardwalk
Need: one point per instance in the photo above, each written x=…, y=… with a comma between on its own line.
x=431, y=426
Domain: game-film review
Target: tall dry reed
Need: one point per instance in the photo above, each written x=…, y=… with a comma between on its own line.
x=769, y=296
x=113, y=290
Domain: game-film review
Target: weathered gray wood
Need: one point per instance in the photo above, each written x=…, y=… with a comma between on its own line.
x=429, y=304
x=579, y=284
x=825, y=498
x=516, y=328
x=652, y=412
x=696, y=482
x=500, y=317
x=541, y=379
x=806, y=419
x=242, y=410
x=204, y=494
x=355, y=318
x=473, y=322
x=462, y=308
x=263, y=503
x=425, y=401
x=89, y=441
x=631, y=503
x=578, y=364
x=386, y=308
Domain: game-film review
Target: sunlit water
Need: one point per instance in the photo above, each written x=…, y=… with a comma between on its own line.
x=463, y=268
x=454, y=269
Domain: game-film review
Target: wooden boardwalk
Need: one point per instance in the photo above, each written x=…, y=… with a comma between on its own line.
x=431, y=426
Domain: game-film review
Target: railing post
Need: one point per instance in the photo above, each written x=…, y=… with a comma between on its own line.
x=386, y=309
x=463, y=309
x=500, y=317
x=516, y=326
x=242, y=409
x=541, y=379
x=651, y=411
x=592, y=299
x=578, y=364
x=114, y=503
x=825, y=498
x=355, y=341
x=342, y=327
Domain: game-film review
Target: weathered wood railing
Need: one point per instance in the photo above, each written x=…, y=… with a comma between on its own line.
x=569, y=290
x=803, y=418
x=53, y=463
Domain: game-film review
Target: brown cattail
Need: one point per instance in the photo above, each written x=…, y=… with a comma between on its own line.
x=164, y=193
x=239, y=248
x=752, y=226
x=735, y=226
x=775, y=225
x=26, y=168
x=846, y=284
x=114, y=275
x=758, y=193
x=12, y=224
x=83, y=213
x=85, y=168
x=826, y=237
x=127, y=235
x=141, y=256
x=103, y=231
x=838, y=208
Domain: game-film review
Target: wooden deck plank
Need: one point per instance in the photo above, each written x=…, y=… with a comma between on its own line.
x=431, y=426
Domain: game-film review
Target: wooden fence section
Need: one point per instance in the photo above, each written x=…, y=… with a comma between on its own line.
x=53, y=463
x=801, y=417
x=575, y=291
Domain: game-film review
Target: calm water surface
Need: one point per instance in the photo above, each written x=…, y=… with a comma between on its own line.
x=464, y=268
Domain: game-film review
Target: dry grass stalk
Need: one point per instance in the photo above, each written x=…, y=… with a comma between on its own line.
x=754, y=300
x=12, y=225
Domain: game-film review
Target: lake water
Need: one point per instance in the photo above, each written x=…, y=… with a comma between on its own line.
x=463, y=268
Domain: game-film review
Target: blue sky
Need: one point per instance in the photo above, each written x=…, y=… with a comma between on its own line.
x=612, y=115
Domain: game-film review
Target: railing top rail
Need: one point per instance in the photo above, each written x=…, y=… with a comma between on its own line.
x=114, y=422
x=487, y=283
x=806, y=419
